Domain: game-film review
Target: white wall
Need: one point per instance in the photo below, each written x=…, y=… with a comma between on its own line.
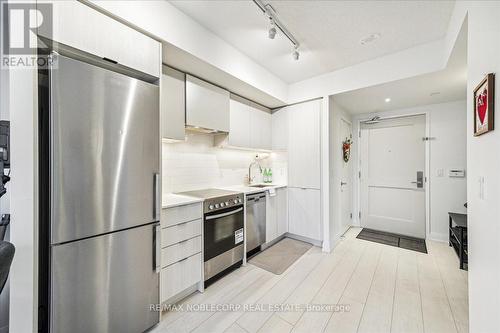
x=447, y=151
x=483, y=160
x=196, y=164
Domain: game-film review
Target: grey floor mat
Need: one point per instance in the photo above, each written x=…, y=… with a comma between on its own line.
x=387, y=238
x=280, y=256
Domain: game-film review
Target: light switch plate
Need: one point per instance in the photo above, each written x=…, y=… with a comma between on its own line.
x=440, y=172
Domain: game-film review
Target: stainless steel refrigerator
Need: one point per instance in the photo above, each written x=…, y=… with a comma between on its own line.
x=100, y=162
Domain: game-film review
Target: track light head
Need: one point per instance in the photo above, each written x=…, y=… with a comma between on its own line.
x=272, y=29
x=272, y=32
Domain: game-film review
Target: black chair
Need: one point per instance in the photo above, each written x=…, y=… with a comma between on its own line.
x=6, y=255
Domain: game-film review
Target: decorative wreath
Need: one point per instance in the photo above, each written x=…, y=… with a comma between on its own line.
x=346, y=149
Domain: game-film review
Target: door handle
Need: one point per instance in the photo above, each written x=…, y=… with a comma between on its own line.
x=157, y=247
x=156, y=196
x=343, y=183
x=420, y=179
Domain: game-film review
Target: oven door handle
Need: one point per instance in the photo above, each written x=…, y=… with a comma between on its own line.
x=212, y=217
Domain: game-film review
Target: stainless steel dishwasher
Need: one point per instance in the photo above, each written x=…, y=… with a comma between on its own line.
x=256, y=221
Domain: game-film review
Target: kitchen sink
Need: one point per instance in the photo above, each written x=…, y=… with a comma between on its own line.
x=259, y=185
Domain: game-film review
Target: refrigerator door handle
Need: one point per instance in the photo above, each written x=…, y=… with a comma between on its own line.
x=156, y=200
x=156, y=247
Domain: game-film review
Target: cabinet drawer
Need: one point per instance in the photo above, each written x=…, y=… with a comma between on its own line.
x=180, y=232
x=179, y=276
x=179, y=251
x=180, y=214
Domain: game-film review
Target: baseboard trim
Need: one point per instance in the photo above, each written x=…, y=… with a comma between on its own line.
x=438, y=237
x=314, y=242
x=271, y=243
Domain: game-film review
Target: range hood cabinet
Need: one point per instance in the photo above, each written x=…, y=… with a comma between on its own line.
x=207, y=106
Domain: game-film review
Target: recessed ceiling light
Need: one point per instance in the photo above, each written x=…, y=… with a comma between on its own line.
x=387, y=100
x=369, y=39
x=435, y=93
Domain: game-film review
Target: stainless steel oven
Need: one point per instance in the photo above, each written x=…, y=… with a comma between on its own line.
x=223, y=231
x=223, y=235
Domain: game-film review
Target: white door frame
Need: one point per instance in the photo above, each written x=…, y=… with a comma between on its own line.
x=349, y=122
x=357, y=167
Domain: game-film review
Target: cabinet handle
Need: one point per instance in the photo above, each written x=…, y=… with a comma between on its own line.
x=156, y=248
x=156, y=196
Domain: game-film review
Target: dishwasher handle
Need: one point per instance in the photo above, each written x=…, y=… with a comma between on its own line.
x=256, y=197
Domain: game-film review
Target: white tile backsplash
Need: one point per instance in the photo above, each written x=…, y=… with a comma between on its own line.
x=196, y=164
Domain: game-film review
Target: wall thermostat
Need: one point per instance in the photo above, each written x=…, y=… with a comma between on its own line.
x=456, y=173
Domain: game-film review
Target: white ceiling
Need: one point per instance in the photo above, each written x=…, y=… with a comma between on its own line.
x=329, y=31
x=450, y=83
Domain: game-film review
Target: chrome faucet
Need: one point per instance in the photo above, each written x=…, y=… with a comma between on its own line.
x=250, y=178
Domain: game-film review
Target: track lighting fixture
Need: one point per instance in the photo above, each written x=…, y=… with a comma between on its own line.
x=272, y=30
x=269, y=11
x=295, y=54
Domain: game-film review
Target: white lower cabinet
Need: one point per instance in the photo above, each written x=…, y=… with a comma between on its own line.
x=271, y=223
x=182, y=245
x=180, y=276
x=304, y=218
x=282, y=210
x=179, y=251
x=180, y=232
x=276, y=214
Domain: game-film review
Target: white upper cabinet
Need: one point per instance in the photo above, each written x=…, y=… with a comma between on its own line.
x=280, y=129
x=239, y=124
x=249, y=126
x=173, y=104
x=207, y=106
x=84, y=28
x=260, y=129
x=304, y=145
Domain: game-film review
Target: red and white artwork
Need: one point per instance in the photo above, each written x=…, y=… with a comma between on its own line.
x=483, y=105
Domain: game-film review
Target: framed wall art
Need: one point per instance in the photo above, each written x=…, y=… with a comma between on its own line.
x=484, y=105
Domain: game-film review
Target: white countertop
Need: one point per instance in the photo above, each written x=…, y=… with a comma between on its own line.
x=249, y=190
x=174, y=200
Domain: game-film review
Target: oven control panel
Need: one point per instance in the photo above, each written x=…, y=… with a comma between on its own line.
x=215, y=204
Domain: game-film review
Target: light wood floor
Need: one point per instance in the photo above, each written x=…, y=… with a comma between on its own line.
x=386, y=289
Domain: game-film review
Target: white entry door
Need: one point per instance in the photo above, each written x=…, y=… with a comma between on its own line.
x=346, y=180
x=393, y=179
